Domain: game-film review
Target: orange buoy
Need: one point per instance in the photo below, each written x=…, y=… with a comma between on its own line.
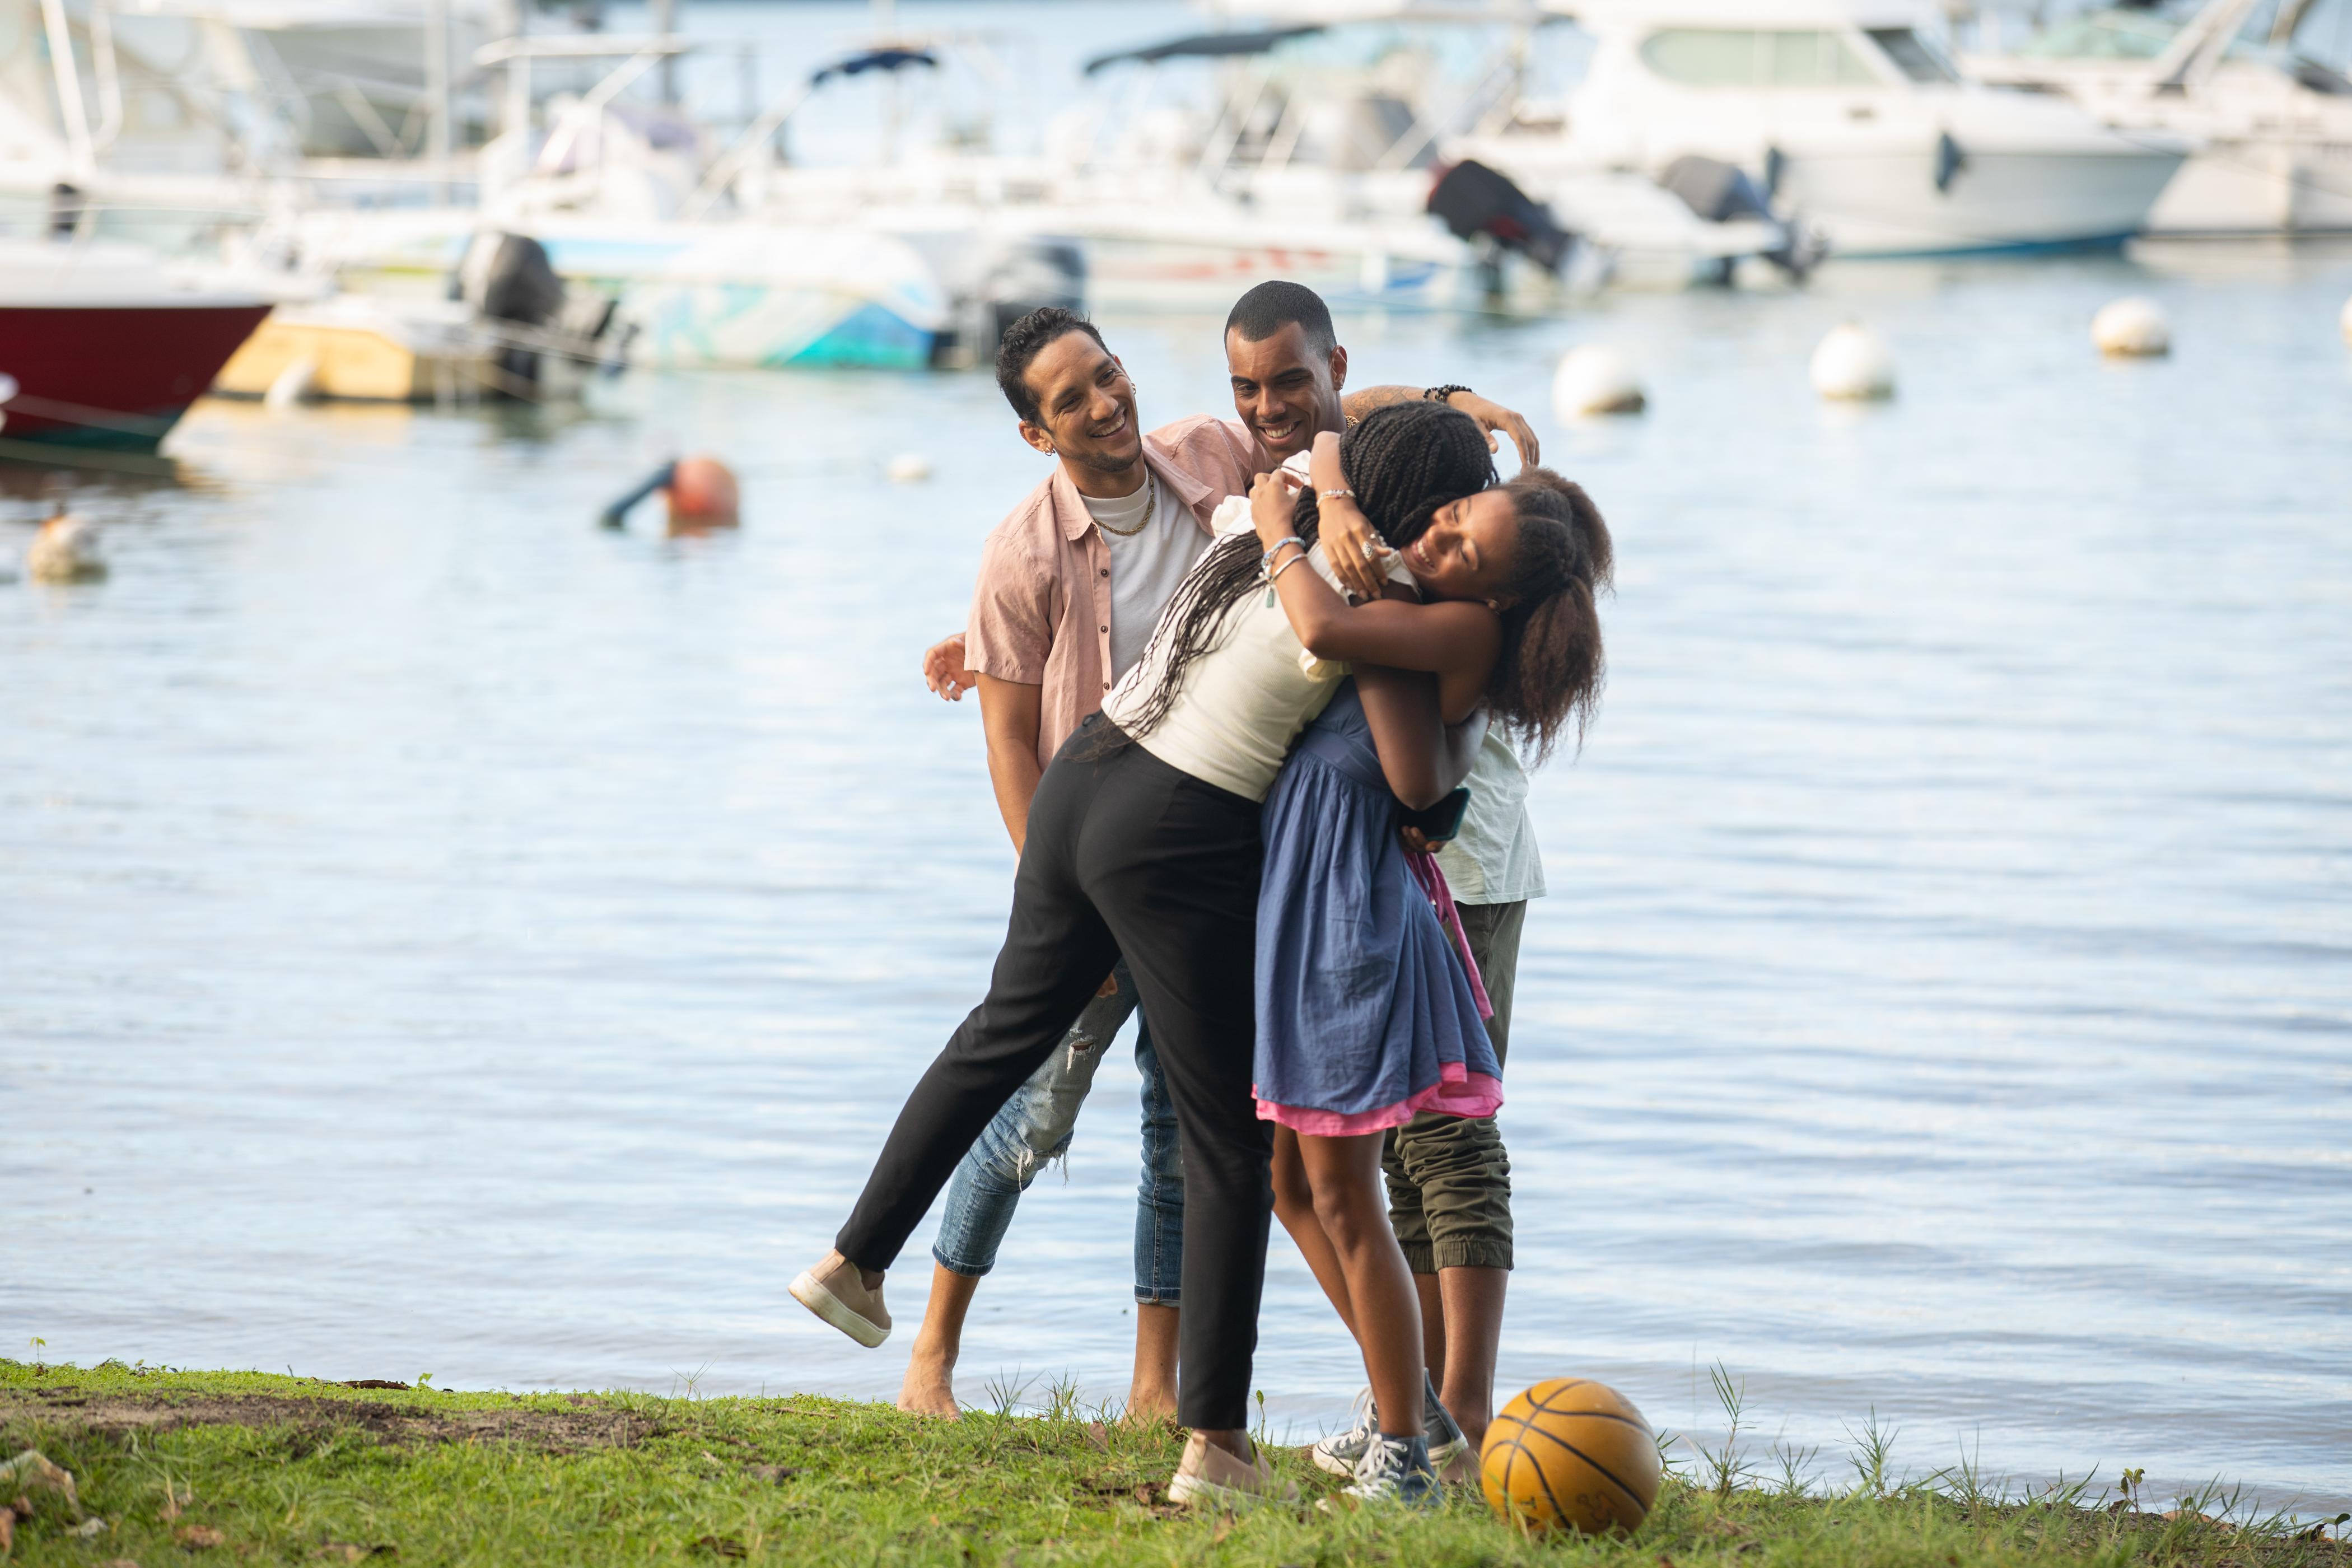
x=701, y=493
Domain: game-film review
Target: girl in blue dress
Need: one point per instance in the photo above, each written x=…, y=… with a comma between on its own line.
x=1369, y=1007
x=1364, y=1014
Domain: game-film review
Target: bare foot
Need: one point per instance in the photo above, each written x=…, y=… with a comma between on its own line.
x=1151, y=1392
x=1149, y=1407
x=930, y=1388
x=1461, y=1471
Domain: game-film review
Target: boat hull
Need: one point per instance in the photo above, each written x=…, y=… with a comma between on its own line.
x=1886, y=204
x=2258, y=187
x=1142, y=271
x=113, y=378
x=741, y=295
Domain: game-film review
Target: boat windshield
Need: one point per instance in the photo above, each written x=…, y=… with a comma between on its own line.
x=2141, y=35
x=2105, y=35
x=1741, y=57
x=1913, y=55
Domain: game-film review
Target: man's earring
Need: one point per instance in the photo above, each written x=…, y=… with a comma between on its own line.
x=1494, y=606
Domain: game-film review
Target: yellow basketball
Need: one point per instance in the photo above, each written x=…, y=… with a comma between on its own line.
x=1570, y=1452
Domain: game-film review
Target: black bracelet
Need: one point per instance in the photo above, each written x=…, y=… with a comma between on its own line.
x=1440, y=394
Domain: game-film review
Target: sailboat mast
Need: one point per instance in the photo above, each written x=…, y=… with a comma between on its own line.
x=886, y=23
x=436, y=91
x=68, y=75
x=664, y=22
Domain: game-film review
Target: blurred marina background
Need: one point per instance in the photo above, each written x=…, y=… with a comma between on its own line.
x=446, y=936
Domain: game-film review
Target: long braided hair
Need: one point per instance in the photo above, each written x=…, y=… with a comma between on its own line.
x=1403, y=461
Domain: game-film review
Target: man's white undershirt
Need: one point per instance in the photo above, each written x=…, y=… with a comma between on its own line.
x=1146, y=568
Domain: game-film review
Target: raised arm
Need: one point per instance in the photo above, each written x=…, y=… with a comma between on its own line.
x=1491, y=415
x=1455, y=640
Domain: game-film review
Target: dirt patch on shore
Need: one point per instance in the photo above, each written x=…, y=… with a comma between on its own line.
x=591, y=1424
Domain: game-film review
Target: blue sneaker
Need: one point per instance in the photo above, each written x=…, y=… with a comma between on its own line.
x=1342, y=1452
x=1395, y=1470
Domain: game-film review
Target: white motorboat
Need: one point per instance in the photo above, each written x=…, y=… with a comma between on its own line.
x=603, y=189
x=99, y=137
x=1317, y=161
x=2275, y=130
x=709, y=262
x=726, y=294
x=1849, y=117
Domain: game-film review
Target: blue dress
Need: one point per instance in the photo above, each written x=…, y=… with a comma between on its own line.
x=1365, y=1010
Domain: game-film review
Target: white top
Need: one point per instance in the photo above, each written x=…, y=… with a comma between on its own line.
x=1146, y=566
x=1244, y=700
x=1494, y=860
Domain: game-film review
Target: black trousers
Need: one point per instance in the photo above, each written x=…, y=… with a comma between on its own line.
x=1124, y=855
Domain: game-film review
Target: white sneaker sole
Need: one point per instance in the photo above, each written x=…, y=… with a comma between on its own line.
x=810, y=1292
x=1439, y=1457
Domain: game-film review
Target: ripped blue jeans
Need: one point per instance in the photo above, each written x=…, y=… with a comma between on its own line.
x=1034, y=1129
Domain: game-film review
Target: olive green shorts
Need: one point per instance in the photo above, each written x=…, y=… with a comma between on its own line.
x=1450, y=1176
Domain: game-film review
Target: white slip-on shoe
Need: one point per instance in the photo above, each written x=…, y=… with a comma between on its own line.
x=834, y=1292
x=1208, y=1477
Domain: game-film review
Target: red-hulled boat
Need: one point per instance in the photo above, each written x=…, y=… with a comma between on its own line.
x=108, y=345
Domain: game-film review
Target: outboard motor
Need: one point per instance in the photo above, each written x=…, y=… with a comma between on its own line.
x=1023, y=276
x=507, y=278
x=1722, y=193
x=1476, y=201
x=1714, y=190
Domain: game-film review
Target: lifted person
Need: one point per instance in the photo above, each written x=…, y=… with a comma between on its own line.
x=1112, y=518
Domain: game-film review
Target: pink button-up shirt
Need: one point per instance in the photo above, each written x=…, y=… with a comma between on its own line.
x=1041, y=615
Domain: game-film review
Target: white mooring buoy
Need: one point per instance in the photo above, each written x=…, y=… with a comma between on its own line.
x=1594, y=379
x=64, y=551
x=2345, y=321
x=2133, y=327
x=908, y=468
x=1854, y=363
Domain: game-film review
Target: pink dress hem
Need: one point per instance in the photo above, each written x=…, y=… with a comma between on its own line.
x=1457, y=1092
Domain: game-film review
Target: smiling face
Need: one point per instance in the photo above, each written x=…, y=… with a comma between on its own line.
x=1468, y=550
x=1283, y=390
x=1086, y=406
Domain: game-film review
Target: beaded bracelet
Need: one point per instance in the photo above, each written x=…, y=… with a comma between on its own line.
x=1275, y=548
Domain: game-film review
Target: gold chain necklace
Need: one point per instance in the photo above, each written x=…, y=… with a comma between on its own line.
x=1151, y=508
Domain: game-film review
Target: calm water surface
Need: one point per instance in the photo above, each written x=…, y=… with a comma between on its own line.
x=442, y=937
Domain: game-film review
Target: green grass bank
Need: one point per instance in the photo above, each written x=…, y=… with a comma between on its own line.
x=190, y=1468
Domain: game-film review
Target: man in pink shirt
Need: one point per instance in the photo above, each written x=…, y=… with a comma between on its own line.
x=1071, y=583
